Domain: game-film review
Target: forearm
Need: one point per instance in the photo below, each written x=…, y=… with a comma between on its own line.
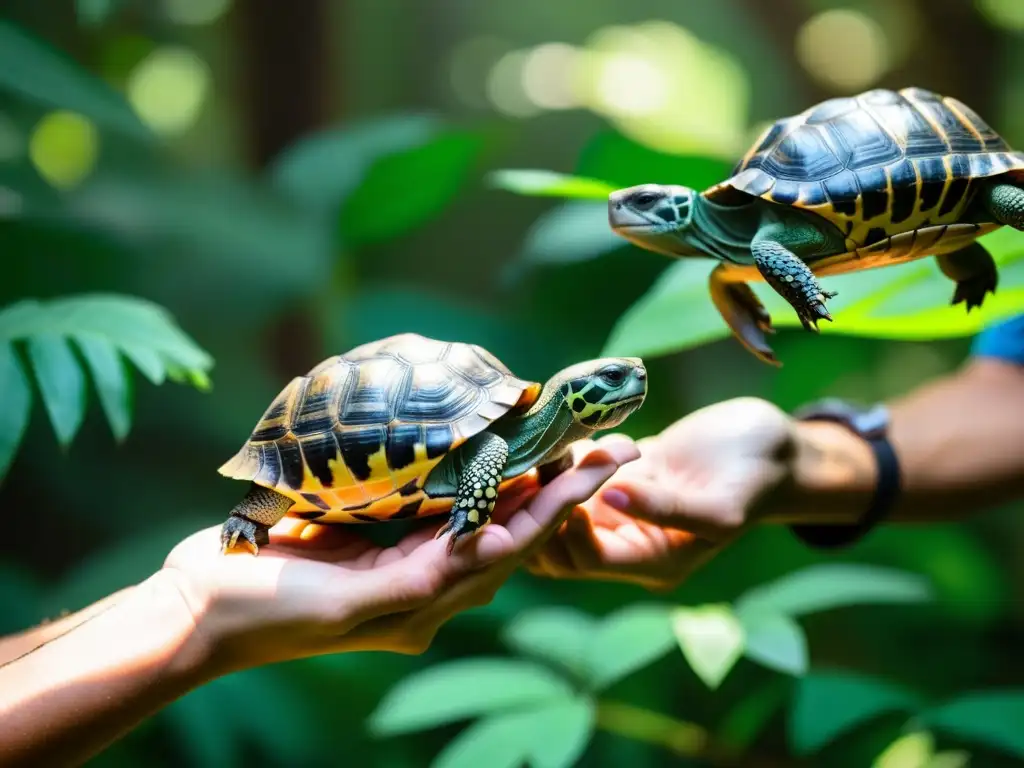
x=68, y=699
x=960, y=443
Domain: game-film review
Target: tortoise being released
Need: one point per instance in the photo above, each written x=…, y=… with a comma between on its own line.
x=852, y=183
x=410, y=426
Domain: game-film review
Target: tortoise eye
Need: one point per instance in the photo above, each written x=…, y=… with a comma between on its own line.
x=614, y=376
x=645, y=199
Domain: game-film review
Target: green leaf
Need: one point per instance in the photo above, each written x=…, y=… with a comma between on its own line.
x=16, y=408
x=462, y=689
x=549, y=736
x=833, y=585
x=35, y=71
x=711, y=638
x=556, y=634
x=405, y=189
x=112, y=383
x=550, y=184
x=572, y=232
x=828, y=704
x=628, y=640
x=61, y=384
x=912, y=750
x=906, y=301
x=626, y=163
x=751, y=714
x=993, y=718
x=321, y=170
x=777, y=642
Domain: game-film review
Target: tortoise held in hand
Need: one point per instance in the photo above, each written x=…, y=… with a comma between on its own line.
x=853, y=183
x=410, y=426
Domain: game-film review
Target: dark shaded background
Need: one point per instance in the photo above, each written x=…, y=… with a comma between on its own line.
x=270, y=279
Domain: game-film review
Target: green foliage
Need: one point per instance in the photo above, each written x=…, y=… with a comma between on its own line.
x=403, y=190
x=989, y=717
x=550, y=184
x=35, y=71
x=711, y=638
x=105, y=329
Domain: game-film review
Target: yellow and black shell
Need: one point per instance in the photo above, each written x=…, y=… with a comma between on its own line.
x=893, y=170
x=355, y=438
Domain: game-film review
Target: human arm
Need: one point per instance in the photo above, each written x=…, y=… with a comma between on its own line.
x=313, y=590
x=711, y=475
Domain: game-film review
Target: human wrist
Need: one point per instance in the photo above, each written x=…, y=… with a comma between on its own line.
x=832, y=476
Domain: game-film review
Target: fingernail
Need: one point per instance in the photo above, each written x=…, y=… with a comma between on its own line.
x=616, y=499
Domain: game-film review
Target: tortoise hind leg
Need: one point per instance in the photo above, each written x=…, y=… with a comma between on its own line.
x=477, y=491
x=1005, y=202
x=974, y=271
x=253, y=517
x=743, y=312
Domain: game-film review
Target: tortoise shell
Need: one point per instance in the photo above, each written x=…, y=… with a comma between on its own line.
x=355, y=438
x=881, y=166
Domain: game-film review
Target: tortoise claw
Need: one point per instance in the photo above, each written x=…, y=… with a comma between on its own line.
x=236, y=527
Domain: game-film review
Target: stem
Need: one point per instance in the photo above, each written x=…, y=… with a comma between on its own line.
x=679, y=737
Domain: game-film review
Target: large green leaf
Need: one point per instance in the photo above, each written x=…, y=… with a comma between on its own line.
x=323, y=169
x=711, y=638
x=405, y=189
x=832, y=585
x=907, y=301
x=828, y=704
x=550, y=184
x=777, y=642
x=995, y=718
x=462, y=689
x=548, y=736
x=104, y=327
x=628, y=640
x=574, y=231
x=16, y=407
x=553, y=633
x=61, y=383
x=35, y=71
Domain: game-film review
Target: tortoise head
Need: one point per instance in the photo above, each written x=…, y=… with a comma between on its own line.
x=600, y=394
x=657, y=217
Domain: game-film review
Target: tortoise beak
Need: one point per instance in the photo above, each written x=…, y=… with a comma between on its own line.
x=623, y=216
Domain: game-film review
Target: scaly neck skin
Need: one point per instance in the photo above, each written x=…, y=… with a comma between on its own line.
x=541, y=434
x=721, y=231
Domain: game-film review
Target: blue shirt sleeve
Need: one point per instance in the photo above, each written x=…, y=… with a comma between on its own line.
x=1004, y=341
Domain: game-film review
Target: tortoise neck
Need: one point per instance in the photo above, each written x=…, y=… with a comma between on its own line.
x=724, y=231
x=541, y=434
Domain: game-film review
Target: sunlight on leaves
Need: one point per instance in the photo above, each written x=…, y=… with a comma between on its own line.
x=833, y=585
x=711, y=638
x=828, y=704
x=775, y=641
x=990, y=717
x=553, y=633
x=549, y=736
x=534, y=183
x=628, y=640
x=462, y=689
x=910, y=751
x=35, y=71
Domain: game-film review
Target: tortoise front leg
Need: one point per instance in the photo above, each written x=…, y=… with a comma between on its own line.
x=742, y=311
x=974, y=271
x=477, y=491
x=776, y=253
x=251, y=519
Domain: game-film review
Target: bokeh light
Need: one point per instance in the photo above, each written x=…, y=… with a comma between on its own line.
x=63, y=148
x=843, y=49
x=168, y=88
x=548, y=74
x=468, y=69
x=630, y=85
x=195, y=12
x=505, y=86
x=1008, y=14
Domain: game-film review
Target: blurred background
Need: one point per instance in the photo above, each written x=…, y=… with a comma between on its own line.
x=290, y=180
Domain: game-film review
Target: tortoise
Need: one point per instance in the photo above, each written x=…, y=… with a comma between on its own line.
x=856, y=182
x=410, y=426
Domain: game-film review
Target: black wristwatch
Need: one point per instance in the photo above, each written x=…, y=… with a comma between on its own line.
x=872, y=424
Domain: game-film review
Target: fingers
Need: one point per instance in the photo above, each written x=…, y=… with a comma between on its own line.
x=710, y=515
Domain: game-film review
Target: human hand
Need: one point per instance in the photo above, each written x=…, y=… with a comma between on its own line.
x=325, y=589
x=697, y=486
